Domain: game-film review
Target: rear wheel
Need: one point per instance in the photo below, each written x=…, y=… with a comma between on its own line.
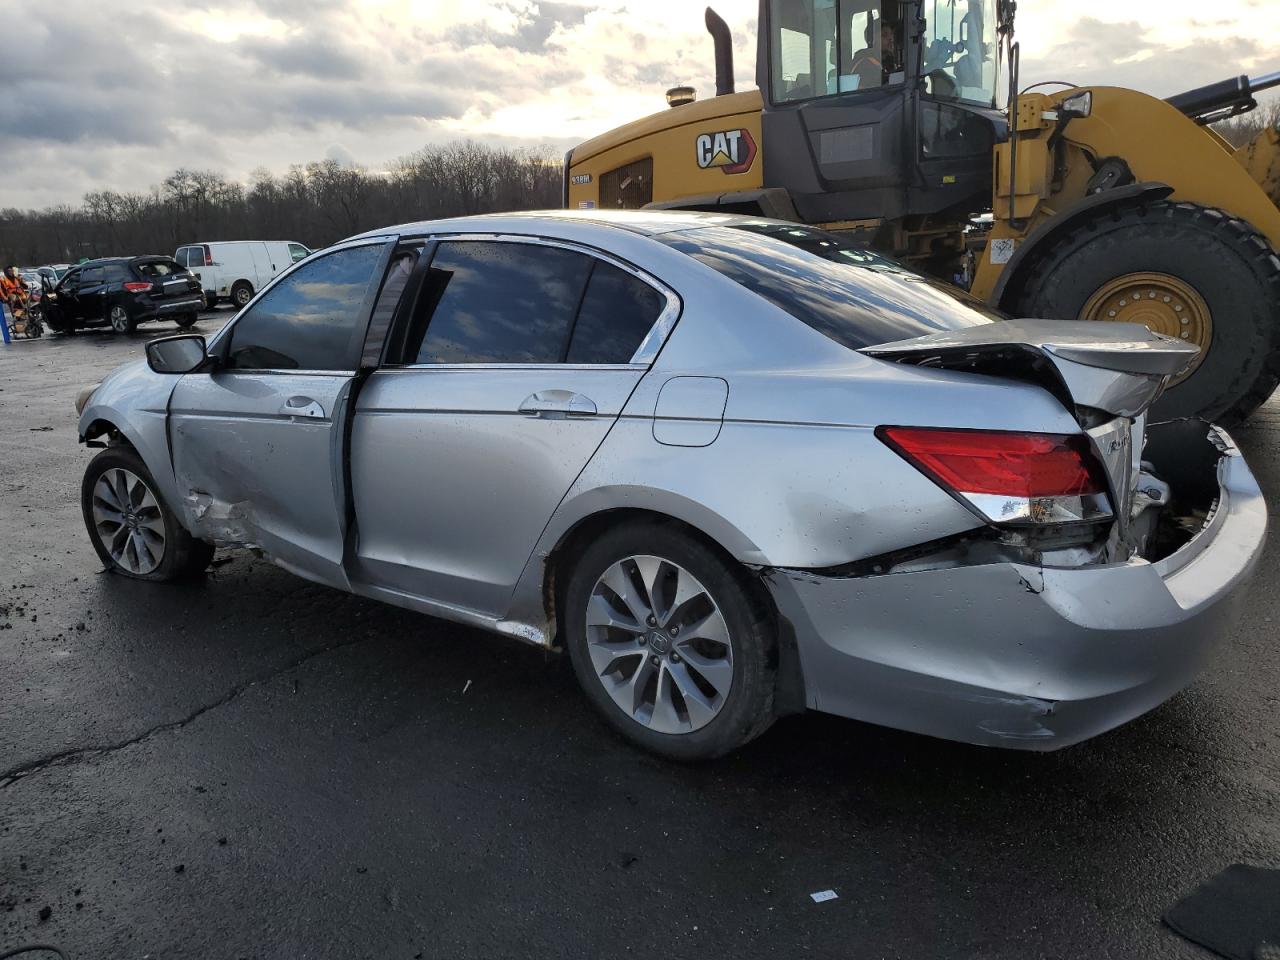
x=186, y=320
x=131, y=528
x=1183, y=270
x=241, y=293
x=120, y=320
x=669, y=642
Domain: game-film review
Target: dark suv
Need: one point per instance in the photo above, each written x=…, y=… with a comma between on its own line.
x=123, y=292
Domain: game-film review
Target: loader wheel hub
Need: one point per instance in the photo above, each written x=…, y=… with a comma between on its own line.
x=1161, y=303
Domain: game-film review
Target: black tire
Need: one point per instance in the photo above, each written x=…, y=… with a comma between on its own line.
x=1228, y=263
x=210, y=301
x=747, y=710
x=186, y=320
x=183, y=555
x=241, y=294
x=120, y=319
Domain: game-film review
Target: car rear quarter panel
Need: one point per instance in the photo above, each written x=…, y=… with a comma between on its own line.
x=795, y=477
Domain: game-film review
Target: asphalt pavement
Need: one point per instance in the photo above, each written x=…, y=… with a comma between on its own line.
x=254, y=766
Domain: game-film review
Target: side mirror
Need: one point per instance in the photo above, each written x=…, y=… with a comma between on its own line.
x=185, y=353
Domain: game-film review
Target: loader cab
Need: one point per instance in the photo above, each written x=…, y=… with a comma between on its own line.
x=887, y=108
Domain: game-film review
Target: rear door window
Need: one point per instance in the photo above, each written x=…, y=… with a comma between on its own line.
x=92, y=276
x=617, y=313
x=117, y=273
x=497, y=302
x=313, y=319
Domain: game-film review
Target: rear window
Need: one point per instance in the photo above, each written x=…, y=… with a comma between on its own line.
x=855, y=297
x=159, y=268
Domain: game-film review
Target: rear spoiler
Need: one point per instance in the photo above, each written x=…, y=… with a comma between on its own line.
x=1120, y=368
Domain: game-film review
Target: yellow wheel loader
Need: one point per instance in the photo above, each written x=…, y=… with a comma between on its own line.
x=881, y=119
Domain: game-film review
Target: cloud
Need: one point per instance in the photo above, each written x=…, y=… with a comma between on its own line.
x=1126, y=54
x=95, y=101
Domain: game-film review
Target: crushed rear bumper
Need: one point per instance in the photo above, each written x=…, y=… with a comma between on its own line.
x=1022, y=656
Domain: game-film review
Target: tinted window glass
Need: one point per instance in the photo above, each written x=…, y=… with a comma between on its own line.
x=181, y=256
x=118, y=273
x=309, y=320
x=617, y=311
x=855, y=297
x=159, y=268
x=91, y=275
x=499, y=303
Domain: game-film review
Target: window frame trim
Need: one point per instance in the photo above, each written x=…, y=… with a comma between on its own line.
x=220, y=346
x=646, y=352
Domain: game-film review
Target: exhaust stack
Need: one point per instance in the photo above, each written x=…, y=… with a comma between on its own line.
x=719, y=31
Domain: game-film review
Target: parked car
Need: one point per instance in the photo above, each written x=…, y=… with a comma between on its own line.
x=53, y=272
x=34, y=284
x=736, y=468
x=123, y=292
x=235, y=269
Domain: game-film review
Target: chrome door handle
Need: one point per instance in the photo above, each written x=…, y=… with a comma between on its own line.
x=301, y=407
x=557, y=404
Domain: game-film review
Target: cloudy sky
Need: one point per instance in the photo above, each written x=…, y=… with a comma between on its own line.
x=118, y=93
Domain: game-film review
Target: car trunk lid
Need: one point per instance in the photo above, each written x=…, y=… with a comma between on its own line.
x=1116, y=368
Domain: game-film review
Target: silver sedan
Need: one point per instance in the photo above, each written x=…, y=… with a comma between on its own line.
x=735, y=467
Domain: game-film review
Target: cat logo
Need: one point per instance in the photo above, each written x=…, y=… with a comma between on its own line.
x=731, y=150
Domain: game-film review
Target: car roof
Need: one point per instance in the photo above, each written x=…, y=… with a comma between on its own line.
x=141, y=258
x=642, y=222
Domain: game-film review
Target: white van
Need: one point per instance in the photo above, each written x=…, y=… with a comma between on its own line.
x=237, y=269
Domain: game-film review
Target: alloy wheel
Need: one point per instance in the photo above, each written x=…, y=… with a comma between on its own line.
x=659, y=644
x=128, y=522
x=119, y=319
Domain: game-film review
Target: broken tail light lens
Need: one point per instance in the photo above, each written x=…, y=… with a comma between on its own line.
x=1009, y=477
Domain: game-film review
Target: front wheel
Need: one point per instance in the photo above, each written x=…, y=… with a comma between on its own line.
x=132, y=529
x=1190, y=272
x=186, y=320
x=241, y=294
x=121, y=322
x=670, y=642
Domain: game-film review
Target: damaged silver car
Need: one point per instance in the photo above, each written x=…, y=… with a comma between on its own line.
x=733, y=466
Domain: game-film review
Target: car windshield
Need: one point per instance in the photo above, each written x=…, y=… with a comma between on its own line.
x=160, y=268
x=854, y=296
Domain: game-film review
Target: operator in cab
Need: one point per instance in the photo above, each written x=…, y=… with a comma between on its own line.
x=875, y=64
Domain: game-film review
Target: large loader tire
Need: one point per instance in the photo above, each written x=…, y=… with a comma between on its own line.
x=1184, y=270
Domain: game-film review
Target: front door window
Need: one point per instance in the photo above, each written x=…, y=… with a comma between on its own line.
x=310, y=320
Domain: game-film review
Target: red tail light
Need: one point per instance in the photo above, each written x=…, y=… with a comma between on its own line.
x=208, y=257
x=1041, y=477
x=135, y=287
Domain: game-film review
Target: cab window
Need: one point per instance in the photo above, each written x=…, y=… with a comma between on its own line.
x=960, y=47
x=823, y=47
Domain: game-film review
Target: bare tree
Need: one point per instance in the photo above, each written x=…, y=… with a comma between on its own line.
x=315, y=203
